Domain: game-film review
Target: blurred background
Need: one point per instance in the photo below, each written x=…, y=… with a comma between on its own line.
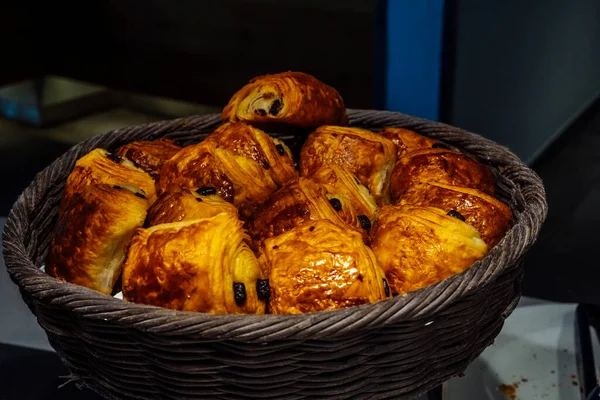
x=523, y=73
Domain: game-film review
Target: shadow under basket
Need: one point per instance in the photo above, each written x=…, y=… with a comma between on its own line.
x=394, y=349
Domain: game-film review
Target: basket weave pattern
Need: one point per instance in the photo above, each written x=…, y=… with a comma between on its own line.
x=393, y=349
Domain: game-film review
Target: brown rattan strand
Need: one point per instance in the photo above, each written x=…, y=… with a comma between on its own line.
x=393, y=349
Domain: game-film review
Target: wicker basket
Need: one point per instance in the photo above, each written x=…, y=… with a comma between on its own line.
x=394, y=349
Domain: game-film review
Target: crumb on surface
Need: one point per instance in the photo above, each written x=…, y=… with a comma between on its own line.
x=509, y=391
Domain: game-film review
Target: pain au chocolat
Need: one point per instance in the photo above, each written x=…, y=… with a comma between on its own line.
x=243, y=164
x=288, y=99
x=368, y=155
x=92, y=233
x=201, y=265
x=320, y=266
x=420, y=246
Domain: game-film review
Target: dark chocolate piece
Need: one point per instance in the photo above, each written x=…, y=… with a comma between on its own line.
x=386, y=287
x=263, y=289
x=456, y=214
x=365, y=222
x=336, y=204
x=239, y=293
x=206, y=191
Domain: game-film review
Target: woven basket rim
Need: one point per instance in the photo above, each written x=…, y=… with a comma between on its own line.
x=421, y=304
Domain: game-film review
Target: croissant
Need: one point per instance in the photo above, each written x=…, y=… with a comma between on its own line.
x=367, y=155
x=420, y=246
x=320, y=266
x=90, y=238
x=286, y=99
x=407, y=141
x=149, y=155
x=442, y=166
x=201, y=265
x=489, y=216
x=339, y=182
x=178, y=204
x=241, y=163
x=100, y=166
x=300, y=201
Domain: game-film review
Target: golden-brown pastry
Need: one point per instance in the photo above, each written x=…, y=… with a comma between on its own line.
x=489, y=216
x=242, y=163
x=339, y=182
x=149, y=155
x=320, y=266
x=367, y=155
x=90, y=238
x=442, y=166
x=300, y=201
x=420, y=246
x=178, y=204
x=407, y=141
x=200, y=265
x=100, y=166
x=286, y=99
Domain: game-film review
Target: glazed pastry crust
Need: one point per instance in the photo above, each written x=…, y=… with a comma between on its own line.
x=407, y=141
x=192, y=266
x=420, y=246
x=241, y=162
x=489, y=216
x=339, y=182
x=178, y=204
x=90, y=238
x=300, y=201
x=320, y=266
x=149, y=155
x=367, y=155
x=100, y=167
x=286, y=99
x=441, y=166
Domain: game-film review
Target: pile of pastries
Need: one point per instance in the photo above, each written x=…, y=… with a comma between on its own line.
x=235, y=224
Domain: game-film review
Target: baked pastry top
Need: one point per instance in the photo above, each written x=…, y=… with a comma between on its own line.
x=243, y=164
x=419, y=246
x=149, y=155
x=179, y=204
x=200, y=265
x=320, y=266
x=369, y=156
x=288, y=99
x=100, y=166
x=442, y=166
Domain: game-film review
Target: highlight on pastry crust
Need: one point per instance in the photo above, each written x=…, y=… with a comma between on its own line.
x=441, y=166
x=178, y=204
x=243, y=164
x=339, y=182
x=407, y=141
x=320, y=266
x=100, y=166
x=368, y=155
x=90, y=238
x=149, y=155
x=489, y=216
x=292, y=99
x=201, y=265
x=420, y=246
x=300, y=201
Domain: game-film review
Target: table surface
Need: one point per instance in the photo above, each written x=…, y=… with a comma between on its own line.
x=534, y=354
